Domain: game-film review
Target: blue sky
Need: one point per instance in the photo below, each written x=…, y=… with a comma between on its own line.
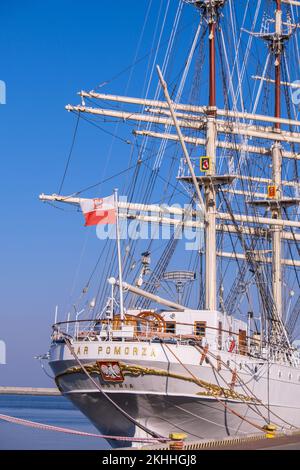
x=50, y=50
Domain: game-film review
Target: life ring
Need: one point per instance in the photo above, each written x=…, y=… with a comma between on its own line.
x=230, y=344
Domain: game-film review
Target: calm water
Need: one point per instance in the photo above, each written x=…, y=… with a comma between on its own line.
x=57, y=411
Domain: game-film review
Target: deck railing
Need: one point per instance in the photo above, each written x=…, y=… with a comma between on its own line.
x=134, y=328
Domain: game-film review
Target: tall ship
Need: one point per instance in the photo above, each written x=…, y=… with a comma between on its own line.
x=189, y=319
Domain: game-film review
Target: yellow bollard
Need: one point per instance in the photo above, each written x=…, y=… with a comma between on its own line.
x=270, y=430
x=177, y=441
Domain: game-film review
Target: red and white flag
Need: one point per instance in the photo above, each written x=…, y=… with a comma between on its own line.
x=99, y=211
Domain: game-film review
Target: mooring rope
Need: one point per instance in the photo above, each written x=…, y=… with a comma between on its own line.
x=49, y=427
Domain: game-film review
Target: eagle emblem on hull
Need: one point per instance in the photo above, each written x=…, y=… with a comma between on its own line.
x=110, y=371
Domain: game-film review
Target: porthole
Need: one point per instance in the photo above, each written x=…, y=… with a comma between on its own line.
x=279, y=374
x=290, y=376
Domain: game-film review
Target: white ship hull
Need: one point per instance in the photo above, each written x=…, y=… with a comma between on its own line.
x=164, y=396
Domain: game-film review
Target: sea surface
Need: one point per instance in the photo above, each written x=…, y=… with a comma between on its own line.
x=56, y=411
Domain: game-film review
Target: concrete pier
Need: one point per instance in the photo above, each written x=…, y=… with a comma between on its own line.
x=29, y=391
x=280, y=441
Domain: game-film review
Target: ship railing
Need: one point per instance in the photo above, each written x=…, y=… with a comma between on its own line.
x=139, y=329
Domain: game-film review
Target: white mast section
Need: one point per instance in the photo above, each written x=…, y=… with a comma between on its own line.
x=276, y=242
x=210, y=198
x=221, y=144
x=211, y=241
x=295, y=3
x=165, y=210
x=270, y=80
x=119, y=255
x=148, y=295
x=183, y=107
x=277, y=169
x=222, y=126
x=259, y=258
x=211, y=13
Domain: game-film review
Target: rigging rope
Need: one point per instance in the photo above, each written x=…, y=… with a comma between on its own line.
x=263, y=285
x=164, y=261
x=201, y=349
x=70, y=153
x=111, y=401
x=225, y=405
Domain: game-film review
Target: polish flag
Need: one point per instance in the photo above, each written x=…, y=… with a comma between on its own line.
x=99, y=211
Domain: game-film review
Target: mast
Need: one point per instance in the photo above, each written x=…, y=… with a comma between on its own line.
x=217, y=122
x=276, y=200
x=116, y=199
x=210, y=9
x=277, y=167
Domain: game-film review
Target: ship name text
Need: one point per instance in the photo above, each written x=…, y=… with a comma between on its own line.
x=111, y=350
